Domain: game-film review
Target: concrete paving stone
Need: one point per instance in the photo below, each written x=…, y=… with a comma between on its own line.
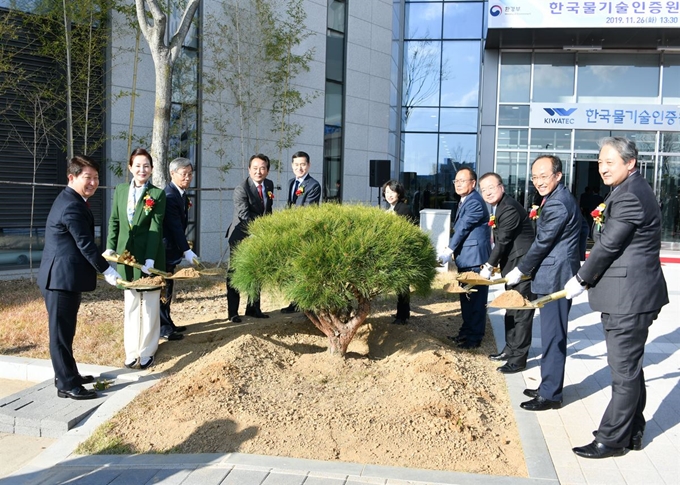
x=93, y=461
x=596, y=475
x=239, y=476
x=207, y=475
x=289, y=464
x=169, y=477
x=571, y=474
x=284, y=478
x=365, y=481
x=169, y=460
x=312, y=480
x=135, y=476
x=27, y=431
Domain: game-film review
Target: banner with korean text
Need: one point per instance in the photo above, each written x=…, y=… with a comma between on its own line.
x=605, y=116
x=544, y=14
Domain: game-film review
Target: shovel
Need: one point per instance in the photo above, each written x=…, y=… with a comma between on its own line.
x=117, y=259
x=484, y=282
x=538, y=303
x=129, y=285
x=205, y=271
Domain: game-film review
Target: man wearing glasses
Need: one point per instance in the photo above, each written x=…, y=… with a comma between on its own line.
x=552, y=260
x=174, y=238
x=513, y=234
x=470, y=247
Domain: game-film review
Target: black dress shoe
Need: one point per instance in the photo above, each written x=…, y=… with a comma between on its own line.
x=78, y=393
x=457, y=339
x=399, y=321
x=598, y=450
x=83, y=380
x=540, y=404
x=499, y=356
x=256, y=314
x=173, y=336
x=511, y=368
x=292, y=308
x=530, y=392
x=132, y=364
x=635, y=443
x=466, y=345
x=235, y=319
x=179, y=328
x=145, y=363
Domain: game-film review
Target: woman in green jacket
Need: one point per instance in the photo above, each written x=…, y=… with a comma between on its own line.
x=136, y=225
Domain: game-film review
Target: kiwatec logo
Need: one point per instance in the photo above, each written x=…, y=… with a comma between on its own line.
x=496, y=10
x=559, y=116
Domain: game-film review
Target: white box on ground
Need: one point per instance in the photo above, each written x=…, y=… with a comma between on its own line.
x=437, y=224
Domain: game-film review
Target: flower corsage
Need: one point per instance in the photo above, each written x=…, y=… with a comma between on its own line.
x=148, y=203
x=189, y=203
x=270, y=194
x=492, y=222
x=300, y=190
x=598, y=215
x=534, y=212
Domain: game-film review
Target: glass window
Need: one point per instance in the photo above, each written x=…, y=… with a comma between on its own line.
x=333, y=104
x=513, y=115
x=336, y=15
x=587, y=139
x=669, y=197
x=461, y=62
x=422, y=64
x=515, y=77
x=456, y=151
x=423, y=21
x=554, y=77
x=335, y=56
x=645, y=141
x=512, y=167
x=459, y=119
x=512, y=138
x=608, y=78
x=671, y=79
x=420, y=153
x=421, y=119
x=463, y=20
x=551, y=139
x=670, y=143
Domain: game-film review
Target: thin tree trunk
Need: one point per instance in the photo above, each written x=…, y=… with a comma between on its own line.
x=339, y=333
x=69, y=100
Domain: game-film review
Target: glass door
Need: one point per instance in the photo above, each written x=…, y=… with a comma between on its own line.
x=669, y=199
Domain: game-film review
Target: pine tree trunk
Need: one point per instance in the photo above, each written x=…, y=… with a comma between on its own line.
x=340, y=333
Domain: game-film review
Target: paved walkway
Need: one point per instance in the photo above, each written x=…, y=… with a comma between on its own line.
x=547, y=437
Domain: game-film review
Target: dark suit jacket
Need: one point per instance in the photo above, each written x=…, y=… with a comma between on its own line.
x=70, y=258
x=624, y=263
x=471, y=240
x=311, y=193
x=144, y=238
x=553, y=258
x=402, y=208
x=513, y=234
x=247, y=207
x=175, y=224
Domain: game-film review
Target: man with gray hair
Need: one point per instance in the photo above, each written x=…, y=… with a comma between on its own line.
x=174, y=237
x=625, y=283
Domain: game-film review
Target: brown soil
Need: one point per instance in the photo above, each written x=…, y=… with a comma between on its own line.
x=146, y=282
x=510, y=299
x=186, y=273
x=403, y=396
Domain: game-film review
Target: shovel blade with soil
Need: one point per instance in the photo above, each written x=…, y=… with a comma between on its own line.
x=513, y=300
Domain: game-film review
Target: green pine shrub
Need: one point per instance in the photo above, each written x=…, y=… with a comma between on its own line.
x=332, y=260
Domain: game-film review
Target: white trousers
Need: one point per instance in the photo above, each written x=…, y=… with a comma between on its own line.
x=142, y=324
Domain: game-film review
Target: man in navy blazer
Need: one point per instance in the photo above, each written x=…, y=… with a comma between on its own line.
x=303, y=189
x=470, y=246
x=177, y=248
x=627, y=286
x=69, y=266
x=552, y=260
x=513, y=234
x=253, y=198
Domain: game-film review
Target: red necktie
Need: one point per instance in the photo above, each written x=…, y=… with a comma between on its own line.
x=259, y=191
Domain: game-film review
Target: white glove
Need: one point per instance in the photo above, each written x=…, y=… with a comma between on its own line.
x=109, y=252
x=189, y=256
x=513, y=277
x=573, y=288
x=445, y=255
x=111, y=276
x=486, y=271
x=147, y=265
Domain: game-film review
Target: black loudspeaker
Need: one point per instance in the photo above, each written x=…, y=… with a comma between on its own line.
x=379, y=172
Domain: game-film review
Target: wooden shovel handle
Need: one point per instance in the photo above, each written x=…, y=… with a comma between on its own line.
x=114, y=258
x=548, y=298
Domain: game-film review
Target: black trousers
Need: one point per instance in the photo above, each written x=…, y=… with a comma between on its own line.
x=625, y=336
x=518, y=327
x=403, y=305
x=554, y=322
x=167, y=325
x=473, y=310
x=234, y=300
x=62, y=310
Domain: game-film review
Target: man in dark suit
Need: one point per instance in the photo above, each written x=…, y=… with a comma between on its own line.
x=627, y=286
x=253, y=198
x=513, y=234
x=69, y=266
x=303, y=189
x=470, y=246
x=177, y=248
x=552, y=260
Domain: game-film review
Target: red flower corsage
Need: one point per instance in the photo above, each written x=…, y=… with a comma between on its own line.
x=300, y=190
x=189, y=203
x=148, y=203
x=534, y=212
x=598, y=215
x=492, y=222
x=270, y=194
